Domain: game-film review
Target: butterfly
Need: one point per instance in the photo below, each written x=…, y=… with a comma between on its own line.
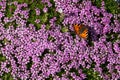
x=81, y=31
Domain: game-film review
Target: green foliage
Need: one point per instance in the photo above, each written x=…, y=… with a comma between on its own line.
x=60, y=73
x=53, y=13
x=22, y=1
x=10, y=10
x=39, y=4
x=70, y=77
x=2, y=58
x=47, y=26
x=44, y=18
x=7, y=76
x=104, y=67
x=97, y=3
x=112, y=37
x=60, y=19
x=43, y=54
x=93, y=65
x=112, y=6
x=91, y=74
x=64, y=29
x=32, y=16
x=29, y=65
x=75, y=71
x=50, y=78
x=50, y=38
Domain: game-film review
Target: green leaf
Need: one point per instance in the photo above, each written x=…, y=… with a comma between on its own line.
x=2, y=58
x=47, y=27
x=29, y=65
x=50, y=38
x=97, y=3
x=50, y=78
x=112, y=6
x=64, y=29
x=7, y=76
x=62, y=71
x=91, y=74
x=74, y=70
x=10, y=10
x=44, y=18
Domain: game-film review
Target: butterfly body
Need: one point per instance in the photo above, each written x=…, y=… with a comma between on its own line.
x=81, y=30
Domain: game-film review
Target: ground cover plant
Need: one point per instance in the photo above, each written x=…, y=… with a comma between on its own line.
x=38, y=41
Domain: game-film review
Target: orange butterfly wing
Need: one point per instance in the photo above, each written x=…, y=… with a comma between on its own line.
x=84, y=33
x=76, y=28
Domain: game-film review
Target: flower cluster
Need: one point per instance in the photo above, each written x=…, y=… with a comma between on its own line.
x=44, y=54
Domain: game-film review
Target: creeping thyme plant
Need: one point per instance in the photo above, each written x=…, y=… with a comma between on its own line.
x=38, y=42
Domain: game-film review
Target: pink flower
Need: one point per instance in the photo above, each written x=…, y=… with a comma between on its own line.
x=37, y=21
x=45, y=9
x=37, y=11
